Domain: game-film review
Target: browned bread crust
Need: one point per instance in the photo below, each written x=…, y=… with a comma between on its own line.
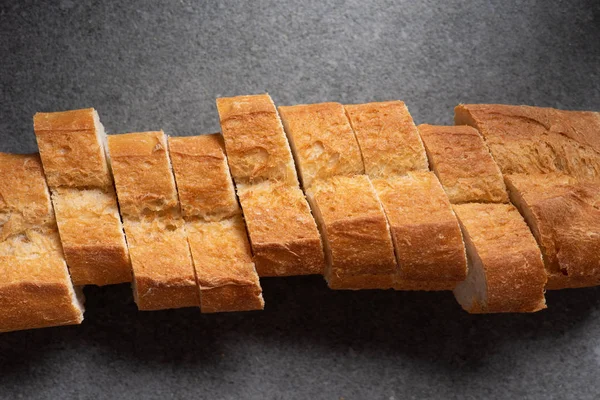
x=426, y=235
x=257, y=147
x=354, y=228
x=564, y=217
x=283, y=233
x=35, y=290
x=164, y=275
x=322, y=141
x=203, y=179
x=534, y=140
x=462, y=162
x=388, y=138
x=506, y=271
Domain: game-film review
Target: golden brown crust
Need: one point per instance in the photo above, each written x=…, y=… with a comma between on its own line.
x=564, y=217
x=71, y=149
x=283, y=233
x=35, y=290
x=257, y=147
x=224, y=268
x=388, y=138
x=353, y=225
x=322, y=141
x=535, y=140
x=361, y=281
x=162, y=265
x=203, y=179
x=142, y=173
x=428, y=286
x=427, y=238
x=506, y=271
x=92, y=236
x=462, y=162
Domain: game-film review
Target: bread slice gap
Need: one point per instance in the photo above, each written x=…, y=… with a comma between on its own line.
x=563, y=215
x=506, y=271
x=36, y=290
x=73, y=152
x=216, y=232
x=163, y=272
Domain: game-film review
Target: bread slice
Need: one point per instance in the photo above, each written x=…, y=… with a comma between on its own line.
x=283, y=233
x=564, y=217
x=534, y=140
x=36, y=290
x=322, y=141
x=355, y=231
x=73, y=154
x=506, y=272
x=216, y=231
x=163, y=272
x=202, y=176
x=427, y=238
x=388, y=138
x=257, y=148
x=462, y=162
x=225, y=271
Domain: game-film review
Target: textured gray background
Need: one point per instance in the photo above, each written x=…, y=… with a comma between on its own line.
x=160, y=65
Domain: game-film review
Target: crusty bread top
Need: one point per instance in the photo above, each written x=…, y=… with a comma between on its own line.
x=388, y=138
x=463, y=163
x=24, y=197
x=355, y=230
x=532, y=140
x=322, y=140
x=203, y=180
x=427, y=238
x=276, y=213
x=564, y=216
x=514, y=274
x=142, y=173
x=257, y=148
x=71, y=147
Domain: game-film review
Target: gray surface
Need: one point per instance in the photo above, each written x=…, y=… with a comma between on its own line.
x=148, y=66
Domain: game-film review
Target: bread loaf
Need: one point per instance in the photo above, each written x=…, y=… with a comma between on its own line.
x=35, y=290
x=72, y=150
x=506, y=272
x=283, y=234
x=536, y=140
x=163, y=272
x=215, y=229
x=462, y=162
x=564, y=218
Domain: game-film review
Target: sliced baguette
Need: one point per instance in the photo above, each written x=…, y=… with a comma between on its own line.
x=506, y=271
x=462, y=162
x=36, y=290
x=73, y=153
x=564, y=217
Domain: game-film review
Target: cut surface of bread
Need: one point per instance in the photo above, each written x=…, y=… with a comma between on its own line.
x=283, y=233
x=224, y=266
x=462, y=162
x=426, y=234
x=36, y=290
x=506, y=271
x=74, y=158
x=354, y=228
x=257, y=148
x=388, y=138
x=564, y=216
x=163, y=273
x=216, y=231
x=322, y=141
x=203, y=179
x=536, y=140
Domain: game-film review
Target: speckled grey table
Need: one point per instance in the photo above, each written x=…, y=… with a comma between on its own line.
x=151, y=65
